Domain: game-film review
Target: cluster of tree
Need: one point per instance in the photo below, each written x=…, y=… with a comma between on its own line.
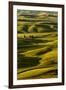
x=31, y=36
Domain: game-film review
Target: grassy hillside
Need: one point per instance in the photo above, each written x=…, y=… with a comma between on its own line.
x=37, y=42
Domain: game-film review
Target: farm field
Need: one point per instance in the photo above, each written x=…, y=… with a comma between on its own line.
x=37, y=44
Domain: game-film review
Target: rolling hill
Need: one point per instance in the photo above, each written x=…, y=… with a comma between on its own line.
x=37, y=44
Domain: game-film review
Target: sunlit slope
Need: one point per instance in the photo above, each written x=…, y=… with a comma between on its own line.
x=37, y=44
x=36, y=22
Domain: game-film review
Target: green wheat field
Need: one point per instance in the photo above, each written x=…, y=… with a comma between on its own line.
x=37, y=44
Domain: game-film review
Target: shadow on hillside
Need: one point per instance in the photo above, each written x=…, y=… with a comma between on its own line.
x=24, y=62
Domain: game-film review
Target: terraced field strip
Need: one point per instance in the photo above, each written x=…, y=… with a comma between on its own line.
x=35, y=72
